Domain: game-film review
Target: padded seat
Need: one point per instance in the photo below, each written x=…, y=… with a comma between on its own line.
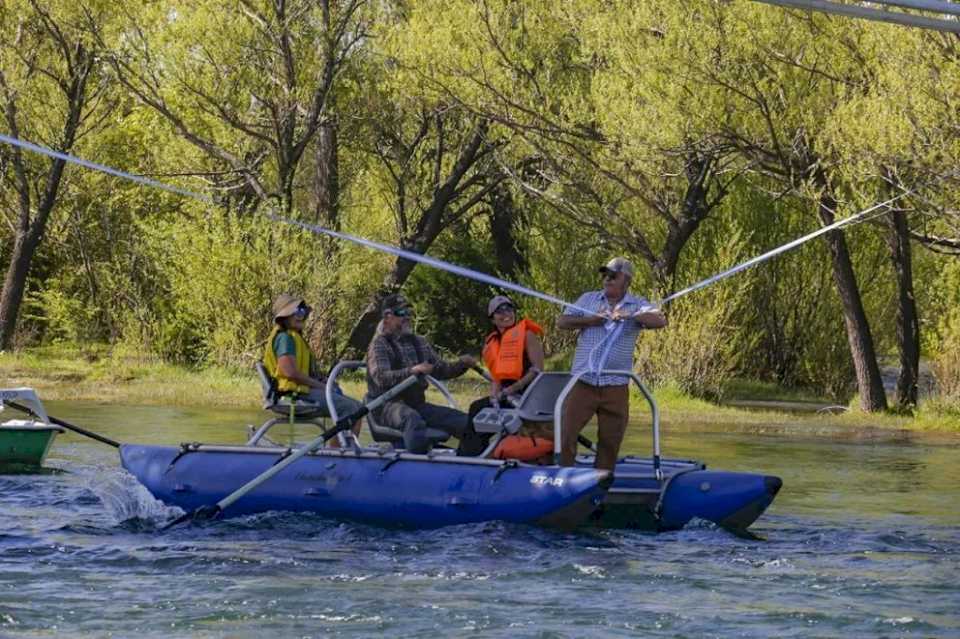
x=381, y=433
x=280, y=404
x=535, y=405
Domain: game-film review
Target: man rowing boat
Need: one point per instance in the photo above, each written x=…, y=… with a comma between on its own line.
x=396, y=353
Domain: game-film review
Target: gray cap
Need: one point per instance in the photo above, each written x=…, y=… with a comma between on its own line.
x=618, y=265
x=496, y=302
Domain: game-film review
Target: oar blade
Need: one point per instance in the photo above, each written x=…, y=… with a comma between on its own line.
x=204, y=513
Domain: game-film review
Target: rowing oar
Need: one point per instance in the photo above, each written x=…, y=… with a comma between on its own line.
x=67, y=425
x=580, y=438
x=344, y=423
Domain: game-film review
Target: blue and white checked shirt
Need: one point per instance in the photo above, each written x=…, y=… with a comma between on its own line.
x=615, y=339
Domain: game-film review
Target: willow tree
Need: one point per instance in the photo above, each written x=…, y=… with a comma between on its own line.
x=776, y=79
x=251, y=86
x=904, y=131
x=53, y=92
x=600, y=131
x=429, y=161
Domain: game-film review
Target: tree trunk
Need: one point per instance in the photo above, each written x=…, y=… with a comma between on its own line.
x=327, y=178
x=14, y=286
x=908, y=323
x=869, y=382
x=694, y=210
x=431, y=223
x=504, y=222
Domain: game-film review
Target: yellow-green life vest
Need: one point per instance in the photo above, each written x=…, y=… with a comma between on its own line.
x=304, y=362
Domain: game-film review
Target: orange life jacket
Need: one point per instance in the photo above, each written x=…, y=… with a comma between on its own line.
x=523, y=447
x=503, y=352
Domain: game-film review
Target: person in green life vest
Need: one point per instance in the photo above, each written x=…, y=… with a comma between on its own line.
x=289, y=360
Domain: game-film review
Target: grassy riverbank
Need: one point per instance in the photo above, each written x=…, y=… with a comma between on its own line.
x=114, y=376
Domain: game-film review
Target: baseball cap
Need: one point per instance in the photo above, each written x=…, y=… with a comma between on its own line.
x=393, y=302
x=496, y=302
x=618, y=265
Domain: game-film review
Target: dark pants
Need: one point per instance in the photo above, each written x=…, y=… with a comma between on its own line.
x=414, y=421
x=611, y=405
x=345, y=406
x=473, y=443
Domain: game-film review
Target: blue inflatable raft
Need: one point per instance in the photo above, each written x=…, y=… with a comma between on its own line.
x=385, y=486
x=391, y=489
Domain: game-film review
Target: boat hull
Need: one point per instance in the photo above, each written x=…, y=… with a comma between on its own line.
x=411, y=491
x=686, y=491
x=25, y=447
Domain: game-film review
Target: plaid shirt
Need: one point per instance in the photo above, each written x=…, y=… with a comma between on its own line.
x=381, y=374
x=594, y=341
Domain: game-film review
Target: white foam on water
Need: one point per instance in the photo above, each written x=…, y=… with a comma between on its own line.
x=125, y=498
x=899, y=621
x=591, y=571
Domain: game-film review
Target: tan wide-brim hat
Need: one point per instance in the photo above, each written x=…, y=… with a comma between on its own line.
x=285, y=305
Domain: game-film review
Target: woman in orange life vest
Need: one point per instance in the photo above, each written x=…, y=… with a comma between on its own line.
x=513, y=353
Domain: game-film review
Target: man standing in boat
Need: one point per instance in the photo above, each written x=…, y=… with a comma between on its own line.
x=396, y=353
x=606, y=342
x=289, y=360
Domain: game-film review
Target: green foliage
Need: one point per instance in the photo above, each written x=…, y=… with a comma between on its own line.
x=451, y=309
x=222, y=271
x=702, y=347
x=946, y=362
x=595, y=107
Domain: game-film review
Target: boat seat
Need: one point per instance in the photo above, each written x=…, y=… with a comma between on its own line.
x=280, y=404
x=385, y=434
x=535, y=405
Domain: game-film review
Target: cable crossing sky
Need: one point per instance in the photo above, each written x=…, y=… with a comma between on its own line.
x=861, y=216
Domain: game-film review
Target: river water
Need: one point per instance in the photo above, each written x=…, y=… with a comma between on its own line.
x=863, y=541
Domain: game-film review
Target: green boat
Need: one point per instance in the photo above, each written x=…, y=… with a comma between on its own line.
x=24, y=443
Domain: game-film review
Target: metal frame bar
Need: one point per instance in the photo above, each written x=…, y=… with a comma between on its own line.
x=655, y=410
x=270, y=423
x=353, y=364
x=865, y=13
x=363, y=453
x=934, y=6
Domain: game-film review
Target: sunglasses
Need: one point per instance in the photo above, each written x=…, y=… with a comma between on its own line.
x=610, y=275
x=505, y=308
x=302, y=311
x=402, y=312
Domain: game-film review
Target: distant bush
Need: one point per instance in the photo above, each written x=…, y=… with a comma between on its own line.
x=699, y=352
x=221, y=272
x=703, y=346
x=946, y=362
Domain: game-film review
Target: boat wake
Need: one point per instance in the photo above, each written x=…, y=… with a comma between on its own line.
x=128, y=504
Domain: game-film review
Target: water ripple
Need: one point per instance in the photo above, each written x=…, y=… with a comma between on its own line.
x=81, y=554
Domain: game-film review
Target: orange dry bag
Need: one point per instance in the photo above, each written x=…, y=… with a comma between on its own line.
x=523, y=448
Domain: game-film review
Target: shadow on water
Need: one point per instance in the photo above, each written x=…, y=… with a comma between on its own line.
x=29, y=469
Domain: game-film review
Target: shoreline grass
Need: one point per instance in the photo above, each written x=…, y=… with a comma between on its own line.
x=101, y=374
